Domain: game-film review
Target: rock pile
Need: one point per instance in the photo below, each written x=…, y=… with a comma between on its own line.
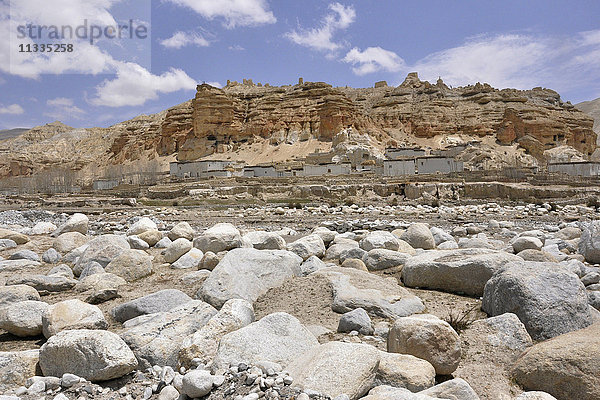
x=169, y=311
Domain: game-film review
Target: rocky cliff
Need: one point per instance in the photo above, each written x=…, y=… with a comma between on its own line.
x=255, y=122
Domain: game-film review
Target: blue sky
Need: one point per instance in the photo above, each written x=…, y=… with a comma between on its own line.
x=520, y=44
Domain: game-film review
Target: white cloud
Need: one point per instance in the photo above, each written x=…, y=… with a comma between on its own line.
x=86, y=58
x=236, y=47
x=518, y=60
x=134, y=85
x=321, y=39
x=215, y=84
x=234, y=12
x=181, y=39
x=13, y=109
x=62, y=108
x=373, y=59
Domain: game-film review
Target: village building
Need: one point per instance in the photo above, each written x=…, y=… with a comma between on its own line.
x=104, y=184
x=260, y=170
x=580, y=168
x=327, y=169
x=202, y=168
x=437, y=165
x=399, y=167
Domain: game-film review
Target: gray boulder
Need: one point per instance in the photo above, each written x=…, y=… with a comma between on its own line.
x=459, y=271
x=589, y=244
x=336, y=369
x=312, y=264
x=427, y=337
x=91, y=354
x=278, y=338
x=130, y=265
x=310, y=245
x=163, y=300
x=381, y=297
x=176, y=249
x=181, y=230
x=23, y=318
x=440, y=235
x=191, y=259
x=77, y=223
x=102, y=249
x=25, y=255
x=419, y=236
x=142, y=225
x=69, y=241
x=356, y=320
x=525, y=243
x=548, y=299
x=72, y=314
x=44, y=284
x=265, y=240
x=220, y=237
x=156, y=339
x=51, y=256
x=456, y=388
x=235, y=314
x=16, y=367
x=379, y=240
x=247, y=273
x=17, y=293
x=378, y=259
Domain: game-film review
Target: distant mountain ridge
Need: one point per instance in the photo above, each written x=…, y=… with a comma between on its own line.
x=591, y=108
x=12, y=133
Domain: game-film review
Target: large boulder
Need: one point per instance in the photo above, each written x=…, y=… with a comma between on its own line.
x=142, y=225
x=419, y=236
x=91, y=354
x=16, y=237
x=526, y=243
x=220, y=237
x=163, y=300
x=72, y=314
x=234, y=315
x=547, y=298
x=69, y=241
x=17, y=293
x=16, y=367
x=379, y=240
x=176, y=249
x=427, y=337
x=151, y=237
x=191, y=259
x=456, y=388
x=440, y=236
x=278, y=338
x=381, y=297
x=459, y=271
x=247, y=273
x=265, y=240
x=24, y=318
x=181, y=230
x=378, y=259
x=566, y=366
x=404, y=370
x=307, y=246
x=76, y=223
x=336, y=368
x=100, y=287
x=589, y=244
x=336, y=249
x=157, y=338
x=102, y=249
x=131, y=265
x=44, y=284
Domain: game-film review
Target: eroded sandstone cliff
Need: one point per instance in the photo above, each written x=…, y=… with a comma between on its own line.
x=299, y=118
